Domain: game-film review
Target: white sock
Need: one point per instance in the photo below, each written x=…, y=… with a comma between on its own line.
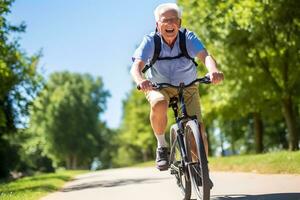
x=161, y=140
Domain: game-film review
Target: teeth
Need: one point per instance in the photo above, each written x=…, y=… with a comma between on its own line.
x=169, y=30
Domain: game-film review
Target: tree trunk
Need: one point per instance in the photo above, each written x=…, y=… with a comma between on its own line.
x=222, y=144
x=297, y=114
x=68, y=162
x=74, y=162
x=283, y=140
x=233, y=151
x=258, y=132
x=290, y=119
x=145, y=155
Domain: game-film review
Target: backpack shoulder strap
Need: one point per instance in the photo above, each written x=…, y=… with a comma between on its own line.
x=157, y=49
x=182, y=45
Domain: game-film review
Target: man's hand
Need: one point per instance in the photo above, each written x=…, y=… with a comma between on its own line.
x=145, y=85
x=136, y=72
x=211, y=65
x=216, y=77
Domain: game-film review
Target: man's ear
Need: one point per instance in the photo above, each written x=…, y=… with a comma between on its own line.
x=179, y=23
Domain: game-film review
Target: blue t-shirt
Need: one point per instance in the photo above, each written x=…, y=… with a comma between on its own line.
x=170, y=71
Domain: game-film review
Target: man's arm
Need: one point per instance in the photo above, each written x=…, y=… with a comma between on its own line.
x=215, y=75
x=136, y=73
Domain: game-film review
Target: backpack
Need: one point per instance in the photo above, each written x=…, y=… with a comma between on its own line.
x=157, y=49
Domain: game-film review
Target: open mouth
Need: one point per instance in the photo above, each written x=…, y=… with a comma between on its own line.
x=169, y=30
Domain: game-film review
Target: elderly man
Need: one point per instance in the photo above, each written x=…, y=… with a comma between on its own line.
x=172, y=66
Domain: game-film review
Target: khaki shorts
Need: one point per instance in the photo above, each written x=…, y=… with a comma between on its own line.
x=191, y=97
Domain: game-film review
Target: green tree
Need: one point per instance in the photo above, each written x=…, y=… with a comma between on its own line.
x=137, y=142
x=65, y=118
x=257, y=43
x=19, y=82
x=109, y=145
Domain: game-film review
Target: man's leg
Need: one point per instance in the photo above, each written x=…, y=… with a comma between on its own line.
x=158, y=119
x=205, y=142
x=204, y=137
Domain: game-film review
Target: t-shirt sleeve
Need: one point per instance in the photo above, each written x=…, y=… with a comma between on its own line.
x=193, y=44
x=145, y=50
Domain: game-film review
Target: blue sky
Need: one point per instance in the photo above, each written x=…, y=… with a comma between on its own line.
x=87, y=36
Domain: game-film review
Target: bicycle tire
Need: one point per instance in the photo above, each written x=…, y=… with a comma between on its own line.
x=182, y=178
x=198, y=166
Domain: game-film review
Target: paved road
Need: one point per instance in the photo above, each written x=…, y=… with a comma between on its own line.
x=150, y=184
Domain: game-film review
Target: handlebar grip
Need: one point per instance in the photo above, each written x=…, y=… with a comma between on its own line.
x=154, y=85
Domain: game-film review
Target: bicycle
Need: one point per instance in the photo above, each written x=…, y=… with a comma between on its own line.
x=187, y=161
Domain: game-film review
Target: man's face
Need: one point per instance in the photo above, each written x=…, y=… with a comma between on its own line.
x=168, y=25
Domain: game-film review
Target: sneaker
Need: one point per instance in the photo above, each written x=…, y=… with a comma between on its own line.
x=162, y=161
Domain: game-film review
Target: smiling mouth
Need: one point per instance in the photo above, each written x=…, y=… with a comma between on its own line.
x=169, y=30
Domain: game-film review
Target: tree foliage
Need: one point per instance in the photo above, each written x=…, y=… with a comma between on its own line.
x=65, y=118
x=137, y=142
x=257, y=46
x=19, y=81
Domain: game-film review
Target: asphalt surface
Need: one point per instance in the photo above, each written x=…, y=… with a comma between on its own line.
x=149, y=183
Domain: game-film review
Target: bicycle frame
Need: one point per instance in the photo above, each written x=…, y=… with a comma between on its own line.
x=185, y=117
x=184, y=166
x=180, y=123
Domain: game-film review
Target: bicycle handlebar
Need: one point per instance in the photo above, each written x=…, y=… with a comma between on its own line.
x=205, y=79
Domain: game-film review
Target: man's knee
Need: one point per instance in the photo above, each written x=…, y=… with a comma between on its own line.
x=159, y=106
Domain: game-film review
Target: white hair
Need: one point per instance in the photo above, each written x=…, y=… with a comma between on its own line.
x=162, y=8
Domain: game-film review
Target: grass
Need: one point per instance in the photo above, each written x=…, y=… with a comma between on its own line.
x=277, y=162
x=271, y=163
x=34, y=187
x=145, y=164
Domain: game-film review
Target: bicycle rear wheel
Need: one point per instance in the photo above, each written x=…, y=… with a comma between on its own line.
x=198, y=166
x=181, y=175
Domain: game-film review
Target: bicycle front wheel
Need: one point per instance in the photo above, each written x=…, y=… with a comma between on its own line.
x=198, y=165
x=181, y=174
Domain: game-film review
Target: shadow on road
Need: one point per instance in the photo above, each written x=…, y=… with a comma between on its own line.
x=111, y=183
x=277, y=196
